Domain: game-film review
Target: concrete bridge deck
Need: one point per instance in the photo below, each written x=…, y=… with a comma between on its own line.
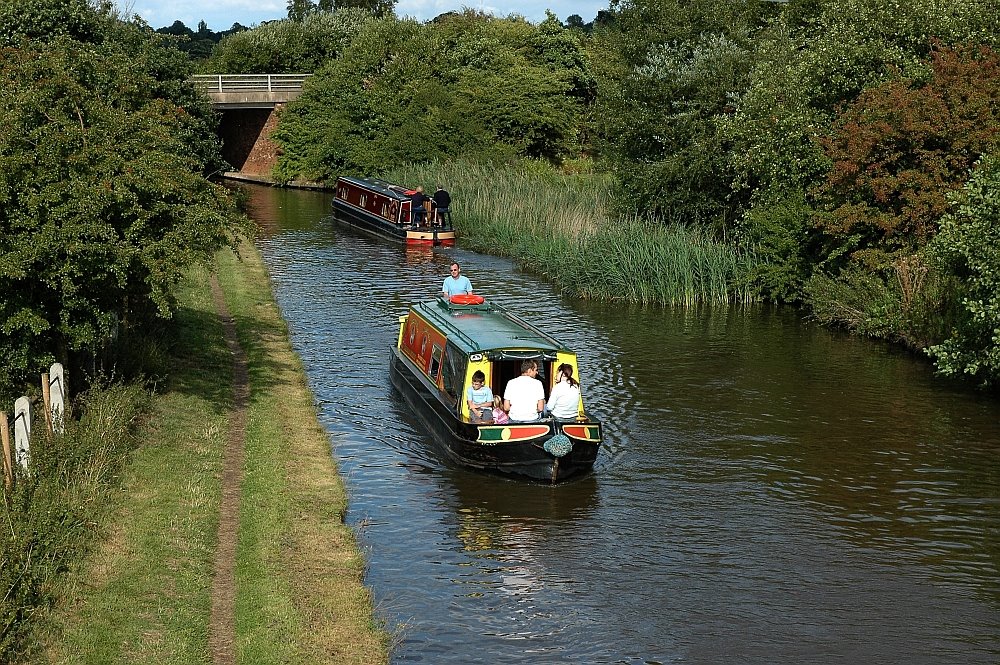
x=249, y=91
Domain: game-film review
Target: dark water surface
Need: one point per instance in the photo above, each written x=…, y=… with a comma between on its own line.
x=769, y=492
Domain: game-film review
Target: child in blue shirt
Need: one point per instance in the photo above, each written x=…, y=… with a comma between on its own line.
x=480, y=398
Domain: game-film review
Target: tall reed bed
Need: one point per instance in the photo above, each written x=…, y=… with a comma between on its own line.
x=559, y=225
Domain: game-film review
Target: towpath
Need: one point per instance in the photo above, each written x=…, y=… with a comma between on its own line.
x=221, y=636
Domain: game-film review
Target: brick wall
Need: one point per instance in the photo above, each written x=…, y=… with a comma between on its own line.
x=246, y=142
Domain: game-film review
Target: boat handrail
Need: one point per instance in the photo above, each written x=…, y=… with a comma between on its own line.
x=491, y=306
x=458, y=333
x=503, y=354
x=518, y=320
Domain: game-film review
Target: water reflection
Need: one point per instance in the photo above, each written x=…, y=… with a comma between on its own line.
x=769, y=491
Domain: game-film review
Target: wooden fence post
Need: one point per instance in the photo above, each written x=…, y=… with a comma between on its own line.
x=8, y=470
x=46, y=402
x=22, y=431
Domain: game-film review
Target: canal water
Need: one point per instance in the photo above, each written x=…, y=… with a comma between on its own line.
x=769, y=491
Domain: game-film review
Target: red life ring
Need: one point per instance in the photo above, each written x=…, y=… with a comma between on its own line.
x=393, y=207
x=467, y=299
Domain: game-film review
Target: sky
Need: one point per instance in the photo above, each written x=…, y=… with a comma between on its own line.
x=221, y=14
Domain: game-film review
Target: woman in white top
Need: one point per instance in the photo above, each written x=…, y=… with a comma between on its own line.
x=564, y=400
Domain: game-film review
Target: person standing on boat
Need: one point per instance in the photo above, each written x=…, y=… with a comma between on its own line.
x=524, y=396
x=442, y=205
x=418, y=212
x=456, y=283
x=564, y=400
x=480, y=398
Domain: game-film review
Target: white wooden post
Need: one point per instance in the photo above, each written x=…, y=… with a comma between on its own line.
x=22, y=431
x=57, y=396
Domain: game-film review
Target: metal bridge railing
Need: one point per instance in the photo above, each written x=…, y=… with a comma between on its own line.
x=249, y=82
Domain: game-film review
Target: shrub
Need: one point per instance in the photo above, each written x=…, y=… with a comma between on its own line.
x=968, y=249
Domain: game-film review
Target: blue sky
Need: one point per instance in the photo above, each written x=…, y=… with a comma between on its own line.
x=221, y=14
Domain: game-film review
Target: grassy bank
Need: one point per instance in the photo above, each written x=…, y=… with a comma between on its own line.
x=49, y=515
x=143, y=592
x=558, y=225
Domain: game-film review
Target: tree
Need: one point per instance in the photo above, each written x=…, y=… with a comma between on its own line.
x=376, y=7
x=299, y=9
x=967, y=248
x=813, y=60
x=178, y=29
x=287, y=46
x=46, y=20
x=902, y=146
x=102, y=194
x=466, y=84
x=575, y=22
x=676, y=69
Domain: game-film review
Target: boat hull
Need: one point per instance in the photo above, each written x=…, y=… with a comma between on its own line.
x=514, y=449
x=363, y=220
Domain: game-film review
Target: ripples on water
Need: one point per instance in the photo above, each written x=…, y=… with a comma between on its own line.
x=769, y=491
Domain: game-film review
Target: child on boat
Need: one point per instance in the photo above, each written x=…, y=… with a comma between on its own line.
x=499, y=415
x=480, y=398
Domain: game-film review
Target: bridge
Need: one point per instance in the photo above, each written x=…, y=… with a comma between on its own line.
x=249, y=91
x=249, y=104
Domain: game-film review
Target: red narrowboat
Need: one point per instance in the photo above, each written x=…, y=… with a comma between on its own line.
x=383, y=209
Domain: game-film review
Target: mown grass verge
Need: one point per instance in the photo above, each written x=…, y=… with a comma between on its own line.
x=299, y=572
x=558, y=225
x=143, y=592
x=140, y=594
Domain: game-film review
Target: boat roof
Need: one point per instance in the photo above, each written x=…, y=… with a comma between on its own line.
x=376, y=185
x=486, y=327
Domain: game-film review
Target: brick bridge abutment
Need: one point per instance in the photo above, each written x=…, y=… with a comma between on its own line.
x=250, y=105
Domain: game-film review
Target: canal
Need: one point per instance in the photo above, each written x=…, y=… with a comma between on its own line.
x=769, y=491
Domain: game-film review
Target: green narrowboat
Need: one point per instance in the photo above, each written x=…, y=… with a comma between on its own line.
x=441, y=344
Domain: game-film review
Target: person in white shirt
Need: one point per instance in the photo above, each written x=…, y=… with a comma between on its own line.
x=524, y=396
x=564, y=400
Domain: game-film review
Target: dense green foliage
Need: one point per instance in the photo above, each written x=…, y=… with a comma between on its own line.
x=48, y=517
x=967, y=249
x=811, y=65
x=677, y=67
x=469, y=85
x=287, y=47
x=825, y=135
x=103, y=199
x=300, y=10
x=198, y=44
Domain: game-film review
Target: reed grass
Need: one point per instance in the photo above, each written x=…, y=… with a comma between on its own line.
x=560, y=226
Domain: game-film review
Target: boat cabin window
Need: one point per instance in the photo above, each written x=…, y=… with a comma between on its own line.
x=436, y=360
x=505, y=370
x=453, y=369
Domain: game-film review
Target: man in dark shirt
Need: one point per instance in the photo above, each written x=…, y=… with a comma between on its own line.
x=418, y=213
x=442, y=203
